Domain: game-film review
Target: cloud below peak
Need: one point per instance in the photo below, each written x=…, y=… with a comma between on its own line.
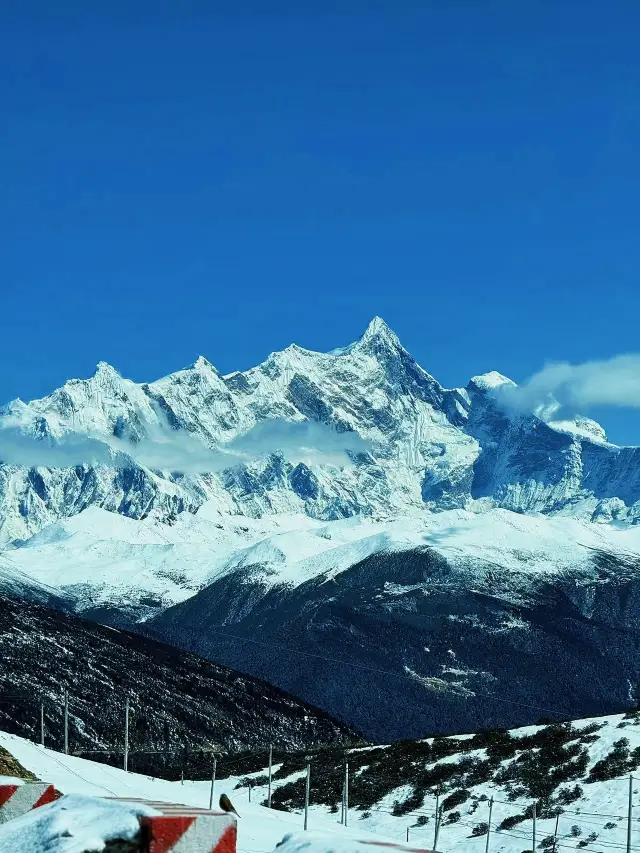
x=572, y=388
x=164, y=449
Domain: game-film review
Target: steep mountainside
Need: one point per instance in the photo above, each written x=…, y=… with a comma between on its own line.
x=576, y=775
x=178, y=701
x=405, y=643
x=266, y=441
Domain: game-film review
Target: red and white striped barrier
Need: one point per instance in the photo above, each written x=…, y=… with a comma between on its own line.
x=16, y=800
x=185, y=829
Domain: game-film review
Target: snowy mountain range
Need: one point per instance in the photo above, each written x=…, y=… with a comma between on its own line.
x=340, y=506
x=359, y=431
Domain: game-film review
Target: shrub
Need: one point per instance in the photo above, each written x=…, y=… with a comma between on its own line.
x=414, y=801
x=455, y=799
x=453, y=817
x=616, y=763
x=575, y=831
x=480, y=829
x=511, y=821
x=566, y=796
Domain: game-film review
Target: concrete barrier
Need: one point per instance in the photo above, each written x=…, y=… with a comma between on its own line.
x=185, y=829
x=16, y=800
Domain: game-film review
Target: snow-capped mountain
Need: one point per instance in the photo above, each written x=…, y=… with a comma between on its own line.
x=342, y=505
x=359, y=431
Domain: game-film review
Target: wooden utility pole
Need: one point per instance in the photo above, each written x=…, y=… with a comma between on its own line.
x=407, y=835
x=306, y=795
x=438, y=822
x=66, y=722
x=126, y=735
x=436, y=827
x=346, y=794
x=486, y=846
x=629, y=814
x=270, y=765
x=41, y=723
x=213, y=780
x=534, y=828
x=555, y=833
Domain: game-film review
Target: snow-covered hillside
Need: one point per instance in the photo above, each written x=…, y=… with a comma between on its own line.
x=98, y=558
x=576, y=774
x=259, y=829
x=426, y=612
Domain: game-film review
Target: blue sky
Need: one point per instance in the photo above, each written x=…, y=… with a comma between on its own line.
x=226, y=178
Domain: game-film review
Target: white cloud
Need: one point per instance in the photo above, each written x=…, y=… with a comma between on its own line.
x=576, y=387
x=178, y=450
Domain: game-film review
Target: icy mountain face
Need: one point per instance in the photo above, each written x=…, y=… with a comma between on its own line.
x=420, y=446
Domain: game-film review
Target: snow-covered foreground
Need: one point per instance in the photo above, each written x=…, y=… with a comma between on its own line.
x=596, y=820
x=601, y=808
x=259, y=829
x=75, y=824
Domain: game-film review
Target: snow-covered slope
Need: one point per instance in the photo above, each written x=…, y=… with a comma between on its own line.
x=259, y=829
x=577, y=774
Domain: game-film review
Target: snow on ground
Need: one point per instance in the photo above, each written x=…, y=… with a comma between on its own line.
x=602, y=808
x=74, y=824
x=259, y=829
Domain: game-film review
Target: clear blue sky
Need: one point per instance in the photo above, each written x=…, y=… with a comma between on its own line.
x=225, y=178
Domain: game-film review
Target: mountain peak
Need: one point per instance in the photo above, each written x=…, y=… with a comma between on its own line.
x=105, y=371
x=490, y=380
x=379, y=334
x=202, y=363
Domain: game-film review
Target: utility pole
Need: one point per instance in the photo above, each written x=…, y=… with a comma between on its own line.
x=555, y=833
x=438, y=822
x=407, y=835
x=182, y=777
x=629, y=814
x=66, y=722
x=126, y=735
x=250, y=787
x=486, y=846
x=436, y=827
x=306, y=795
x=270, y=765
x=342, y=805
x=346, y=794
x=41, y=723
x=213, y=780
x=534, y=827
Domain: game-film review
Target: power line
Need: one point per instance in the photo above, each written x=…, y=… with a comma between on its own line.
x=379, y=670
